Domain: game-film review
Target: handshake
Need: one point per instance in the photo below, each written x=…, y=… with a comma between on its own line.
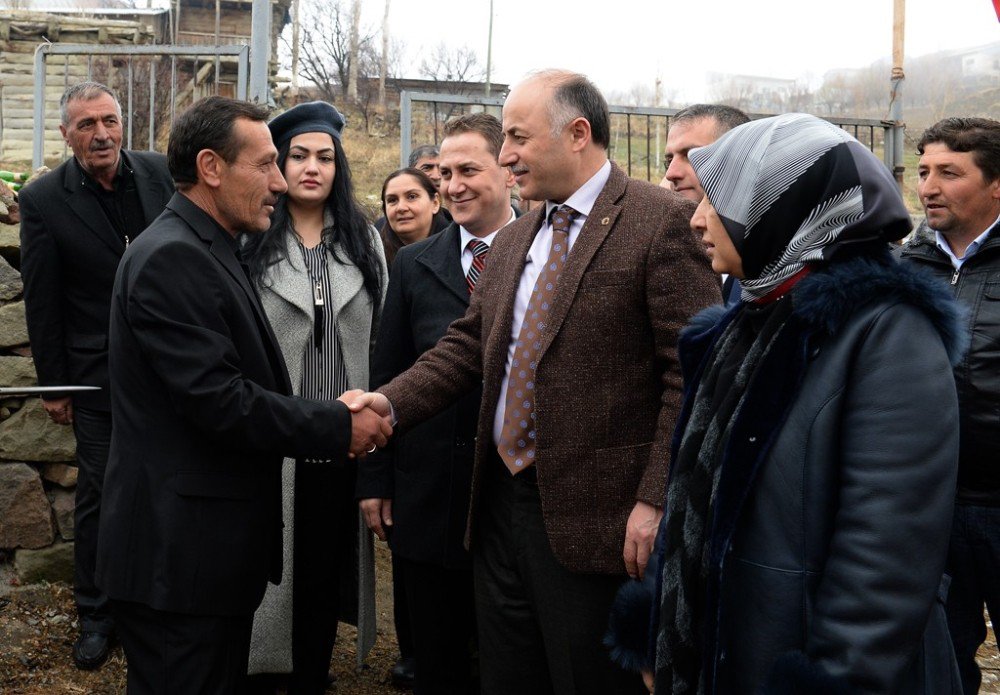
x=371, y=421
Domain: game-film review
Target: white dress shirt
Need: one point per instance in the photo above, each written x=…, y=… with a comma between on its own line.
x=583, y=202
x=465, y=236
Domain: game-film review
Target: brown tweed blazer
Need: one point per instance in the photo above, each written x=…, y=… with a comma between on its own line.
x=608, y=384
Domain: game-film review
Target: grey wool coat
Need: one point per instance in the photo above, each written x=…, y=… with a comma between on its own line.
x=286, y=295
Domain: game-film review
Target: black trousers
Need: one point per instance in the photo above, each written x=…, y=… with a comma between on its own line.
x=93, y=437
x=401, y=611
x=171, y=653
x=324, y=578
x=540, y=625
x=442, y=619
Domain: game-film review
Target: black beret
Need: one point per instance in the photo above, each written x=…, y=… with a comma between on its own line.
x=312, y=117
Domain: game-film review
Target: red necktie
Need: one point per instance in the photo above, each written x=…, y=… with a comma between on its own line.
x=479, y=250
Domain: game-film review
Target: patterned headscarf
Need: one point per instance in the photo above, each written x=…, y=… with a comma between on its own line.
x=793, y=190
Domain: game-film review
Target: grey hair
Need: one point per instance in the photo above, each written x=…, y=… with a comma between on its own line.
x=575, y=96
x=726, y=117
x=84, y=91
x=422, y=152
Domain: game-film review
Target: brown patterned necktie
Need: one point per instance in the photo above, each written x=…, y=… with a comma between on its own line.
x=517, y=438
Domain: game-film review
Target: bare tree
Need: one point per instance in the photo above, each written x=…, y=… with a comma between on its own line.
x=325, y=50
x=452, y=65
x=352, y=71
x=383, y=67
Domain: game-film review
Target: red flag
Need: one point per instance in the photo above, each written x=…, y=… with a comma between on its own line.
x=996, y=6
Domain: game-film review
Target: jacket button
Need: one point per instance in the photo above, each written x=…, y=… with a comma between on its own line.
x=753, y=439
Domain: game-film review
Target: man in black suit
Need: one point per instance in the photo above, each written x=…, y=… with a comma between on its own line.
x=76, y=223
x=418, y=494
x=191, y=528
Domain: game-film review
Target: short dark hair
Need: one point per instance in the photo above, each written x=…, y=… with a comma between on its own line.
x=725, y=117
x=207, y=125
x=428, y=151
x=84, y=91
x=980, y=136
x=482, y=123
x=574, y=96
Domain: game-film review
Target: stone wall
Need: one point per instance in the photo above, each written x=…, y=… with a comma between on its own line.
x=37, y=466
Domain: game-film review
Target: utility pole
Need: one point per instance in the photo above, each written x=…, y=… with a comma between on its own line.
x=896, y=80
x=260, y=51
x=489, y=51
x=296, y=27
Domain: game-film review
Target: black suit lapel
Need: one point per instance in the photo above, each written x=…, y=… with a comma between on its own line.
x=222, y=251
x=443, y=258
x=151, y=189
x=84, y=204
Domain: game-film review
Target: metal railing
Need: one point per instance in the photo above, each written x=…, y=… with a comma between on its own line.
x=638, y=134
x=210, y=58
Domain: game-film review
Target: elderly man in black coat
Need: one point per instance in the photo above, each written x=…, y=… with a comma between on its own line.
x=76, y=223
x=191, y=529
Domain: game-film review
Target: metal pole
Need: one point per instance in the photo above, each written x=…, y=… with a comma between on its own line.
x=489, y=51
x=896, y=92
x=38, y=137
x=405, y=124
x=260, y=51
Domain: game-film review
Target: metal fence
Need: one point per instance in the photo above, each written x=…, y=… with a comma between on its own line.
x=152, y=81
x=638, y=134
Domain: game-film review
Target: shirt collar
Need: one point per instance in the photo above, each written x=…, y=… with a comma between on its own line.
x=120, y=172
x=466, y=236
x=970, y=250
x=586, y=195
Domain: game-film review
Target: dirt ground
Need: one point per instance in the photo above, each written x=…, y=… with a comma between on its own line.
x=38, y=626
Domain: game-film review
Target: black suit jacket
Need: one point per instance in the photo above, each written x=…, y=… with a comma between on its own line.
x=191, y=515
x=69, y=254
x=428, y=471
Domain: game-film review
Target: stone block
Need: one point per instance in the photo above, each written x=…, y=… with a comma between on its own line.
x=10, y=239
x=25, y=515
x=13, y=328
x=63, y=504
x=61, y=474
x=53, y=564
x=11, y=286
x=29, y=435
x=17, y=371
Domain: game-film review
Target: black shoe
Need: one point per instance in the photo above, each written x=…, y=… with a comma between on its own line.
x=91, y=650
x=402, y=673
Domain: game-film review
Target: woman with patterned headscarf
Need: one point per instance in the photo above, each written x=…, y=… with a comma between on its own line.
x=813, y=472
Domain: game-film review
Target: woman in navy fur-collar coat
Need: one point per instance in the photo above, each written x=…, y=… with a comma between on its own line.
x=810, y=494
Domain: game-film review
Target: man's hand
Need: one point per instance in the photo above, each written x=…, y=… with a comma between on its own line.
x=378, y=514
x=357, y=400
x=369, y=429
x=647, y=678
x=60, y=410
x=640, y=533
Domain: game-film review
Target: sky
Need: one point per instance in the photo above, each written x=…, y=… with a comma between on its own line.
x=630, y=42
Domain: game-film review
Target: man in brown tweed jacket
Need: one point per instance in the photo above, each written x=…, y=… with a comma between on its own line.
x=581, y=388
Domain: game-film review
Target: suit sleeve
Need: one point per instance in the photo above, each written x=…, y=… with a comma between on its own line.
x=898, y=469
x=446, y=372
x=679, y=283
x=394, y=352
x=42, y=275
x=178, y=308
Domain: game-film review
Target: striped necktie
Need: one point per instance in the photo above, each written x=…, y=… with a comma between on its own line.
x=479, y=250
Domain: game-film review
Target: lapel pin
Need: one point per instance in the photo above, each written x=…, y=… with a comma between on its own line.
x=606, y=220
